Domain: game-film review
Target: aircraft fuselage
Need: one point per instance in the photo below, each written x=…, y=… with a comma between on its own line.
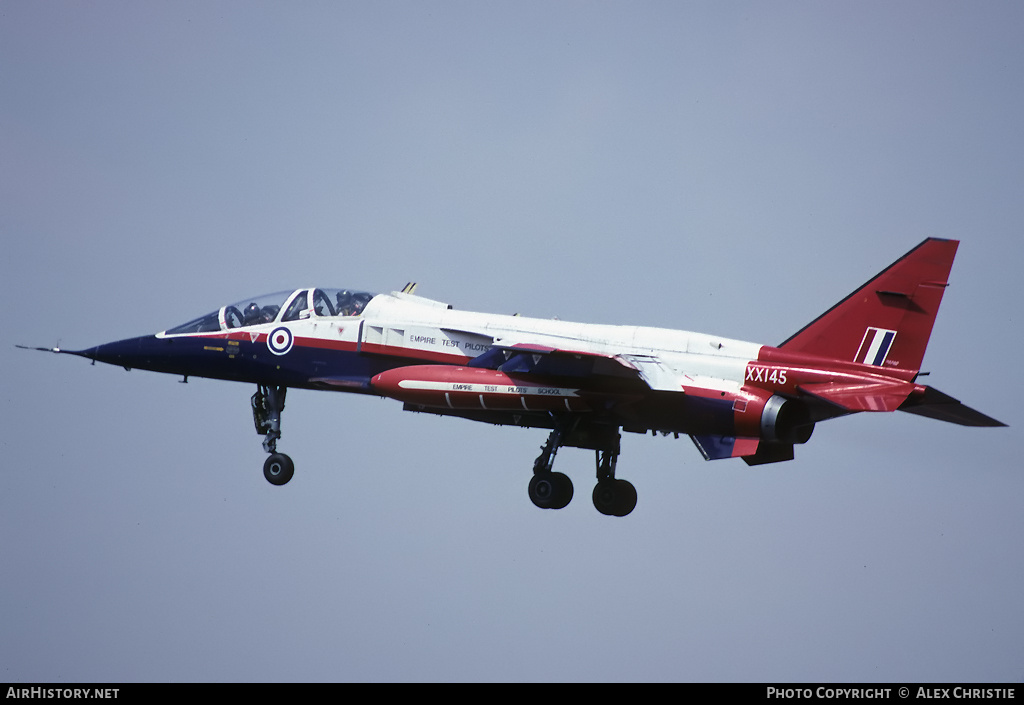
x=585, y=382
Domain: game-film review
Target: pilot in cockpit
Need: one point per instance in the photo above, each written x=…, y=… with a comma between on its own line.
x=254, y=315
x=351, y=303
x=251, y=315
x=343, y=302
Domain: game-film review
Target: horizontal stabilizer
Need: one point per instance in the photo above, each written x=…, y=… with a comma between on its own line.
x=937, y=405
x=873, y=396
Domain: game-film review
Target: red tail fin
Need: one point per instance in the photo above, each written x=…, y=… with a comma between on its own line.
x=886, y=322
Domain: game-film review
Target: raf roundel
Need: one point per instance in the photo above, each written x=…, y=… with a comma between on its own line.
x=280, y=341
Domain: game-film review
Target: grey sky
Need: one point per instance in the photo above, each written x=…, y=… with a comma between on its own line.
x=733, y=168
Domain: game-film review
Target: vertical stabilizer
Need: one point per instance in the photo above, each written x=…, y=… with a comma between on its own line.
x=886, y=322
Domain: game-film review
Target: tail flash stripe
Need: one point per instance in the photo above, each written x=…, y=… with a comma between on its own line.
x=875, y=346
x=883, y=349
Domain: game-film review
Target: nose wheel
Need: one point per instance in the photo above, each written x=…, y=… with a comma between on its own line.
x=278, y=469
x=267, y=405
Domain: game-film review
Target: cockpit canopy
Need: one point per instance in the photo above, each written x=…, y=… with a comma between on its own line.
x=283, y=306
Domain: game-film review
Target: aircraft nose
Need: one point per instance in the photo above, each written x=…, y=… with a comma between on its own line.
x=126, y=353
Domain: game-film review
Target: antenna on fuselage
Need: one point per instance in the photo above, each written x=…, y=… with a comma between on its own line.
x=409, y=288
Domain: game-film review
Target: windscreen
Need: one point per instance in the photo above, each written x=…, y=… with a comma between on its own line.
x=247, y=312
x=267, y=308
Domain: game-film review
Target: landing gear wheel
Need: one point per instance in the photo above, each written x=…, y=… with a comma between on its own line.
x=614, y=497
x=550, y=490
x=278, y=469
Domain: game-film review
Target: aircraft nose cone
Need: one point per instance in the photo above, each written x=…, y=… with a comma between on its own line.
x=127, y=353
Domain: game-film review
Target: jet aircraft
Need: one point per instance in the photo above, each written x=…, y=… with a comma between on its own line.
x=584, y=383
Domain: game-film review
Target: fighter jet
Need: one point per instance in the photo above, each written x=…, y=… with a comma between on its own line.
x=584, y=383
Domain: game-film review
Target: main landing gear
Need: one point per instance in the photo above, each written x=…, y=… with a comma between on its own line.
x=267, y=405
x=550, y=490
x=613, y=497
x=553, y=490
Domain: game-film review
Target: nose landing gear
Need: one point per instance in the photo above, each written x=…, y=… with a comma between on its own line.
x=278, y=469
x=267, y=405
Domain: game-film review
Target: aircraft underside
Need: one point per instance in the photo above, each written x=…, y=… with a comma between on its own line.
x=547, y=488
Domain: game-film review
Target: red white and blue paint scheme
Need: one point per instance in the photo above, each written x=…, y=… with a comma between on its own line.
x=584, y=383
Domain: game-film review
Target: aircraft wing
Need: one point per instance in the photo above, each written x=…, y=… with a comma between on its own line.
x=558, y=362
x=656, y=374
x=649, y=370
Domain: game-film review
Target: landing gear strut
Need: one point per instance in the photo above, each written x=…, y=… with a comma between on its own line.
x=612, y=497
x=267, y=405
x=550, y=490
x=553, y=490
